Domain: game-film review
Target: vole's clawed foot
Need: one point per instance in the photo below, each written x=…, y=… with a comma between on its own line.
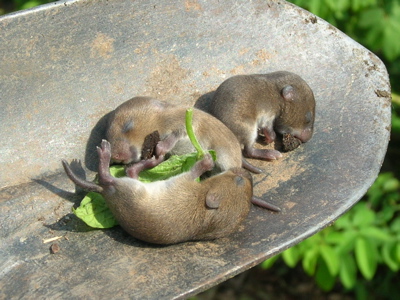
x=166, y=145
x=104, y=152
x=202, y=166
x=264, y=204
x=207, y=162
x=133, y=171
x=265, y=154
x=269, y=134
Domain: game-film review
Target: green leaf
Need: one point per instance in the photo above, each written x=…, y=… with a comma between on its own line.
x=334, y=237
x=30, y=4
x=347, y=243
x=173, y=166
x=348, y=271
x=344, y=221
x=391, y=184
x=366, y=257
x=331, y=259
x=363, y=216
x=94, y=212
x=371, y=18
x=395, y=225
x=397, y=252
x=310, y=259
x=291, y=256
x=389, y=256
x=385, y=214
x=323, y=277
x=266, y=264
x=117, y=171
x=376, y=233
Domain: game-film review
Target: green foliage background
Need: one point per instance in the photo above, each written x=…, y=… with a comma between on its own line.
x=360, y=252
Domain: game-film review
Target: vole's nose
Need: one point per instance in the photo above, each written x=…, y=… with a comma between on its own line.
x=304, y=135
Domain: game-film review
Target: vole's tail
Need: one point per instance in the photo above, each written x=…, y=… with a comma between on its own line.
x=264, y=204
x=248, y=166
x=87, y=185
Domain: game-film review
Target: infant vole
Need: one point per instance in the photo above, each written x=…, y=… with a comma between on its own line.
x=175, y=210
x=135, y=119
x=132, y=121
x=264, y=104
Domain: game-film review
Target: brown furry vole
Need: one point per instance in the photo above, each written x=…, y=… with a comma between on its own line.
x=265, y=103
x=138, y=117
x=178, y=209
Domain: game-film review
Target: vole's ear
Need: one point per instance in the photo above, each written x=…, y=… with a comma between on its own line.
x=213, y=200
x=288, y=92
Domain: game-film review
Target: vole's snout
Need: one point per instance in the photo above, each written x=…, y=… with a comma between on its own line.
x=305, y=135
x=120, y=157
x=122, y=152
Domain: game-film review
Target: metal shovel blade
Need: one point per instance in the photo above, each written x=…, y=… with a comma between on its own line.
x=65, y=65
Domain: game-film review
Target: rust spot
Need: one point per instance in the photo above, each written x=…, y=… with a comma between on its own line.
x=279, y=171
x=102, y=46
x=238, y=70
x=192, y=5
x=244, y=51
x=264, y=55
x=166, y=78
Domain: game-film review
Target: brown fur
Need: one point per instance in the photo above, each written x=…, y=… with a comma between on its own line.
x=175, y=210
x=134, y=119
x=147, y=115
x=276, y=102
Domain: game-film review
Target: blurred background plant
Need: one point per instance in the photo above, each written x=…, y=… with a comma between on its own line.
x=360, y=252
x=7, y=6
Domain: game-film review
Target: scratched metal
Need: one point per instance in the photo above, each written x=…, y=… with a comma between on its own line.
x=65, y=65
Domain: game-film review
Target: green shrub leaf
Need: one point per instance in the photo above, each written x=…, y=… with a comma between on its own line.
x=397, y=252
x=376, y=233
x=389, y=256
x=331, y=259
x=366, y=257
x=348, y=271
x=343, y=222
x=266, y=264
x=323, y=277
x=363, y=216
x=310, y=260
x=347, y=241
x=291, y=256
x=334, y=237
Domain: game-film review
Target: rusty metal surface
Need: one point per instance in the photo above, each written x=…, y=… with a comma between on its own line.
x=63, y=66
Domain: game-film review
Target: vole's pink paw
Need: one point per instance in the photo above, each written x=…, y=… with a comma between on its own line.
x=207, y=162
x=265, y=154
x=104, y=152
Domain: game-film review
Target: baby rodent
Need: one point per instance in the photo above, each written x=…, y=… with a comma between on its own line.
x=175, y=210
x=263, y=104
x=138, y=117
x=133, y=120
